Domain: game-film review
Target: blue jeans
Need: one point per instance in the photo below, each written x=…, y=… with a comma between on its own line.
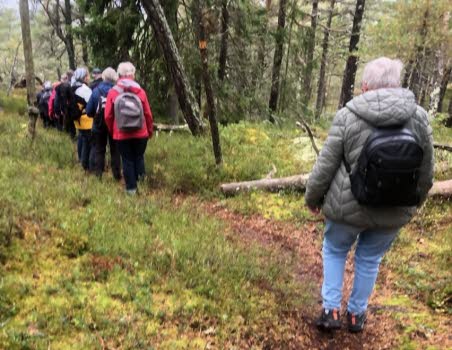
x=132, y=156
x=371, y=245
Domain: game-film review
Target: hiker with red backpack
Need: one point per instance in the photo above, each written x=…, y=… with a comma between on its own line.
x=129, y=121
x=373, y=172
x=96, y=110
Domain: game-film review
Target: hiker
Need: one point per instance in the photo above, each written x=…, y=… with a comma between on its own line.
x=42, y=100
x=63, y=93
x=77, y=113
x=50, y=106
x=96, y=110
x=97, y=78
x=129, y=120
x=368, y=188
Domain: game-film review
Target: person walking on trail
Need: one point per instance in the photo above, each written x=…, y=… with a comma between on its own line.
x=96, y=110
x=375, y=169
x=50, y=106
x=82, y=122
x=63, y=93
x=42, y=100
x=97, y=78
x=129, y=120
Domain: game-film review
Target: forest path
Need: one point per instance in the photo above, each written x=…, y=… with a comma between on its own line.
x=304, y=244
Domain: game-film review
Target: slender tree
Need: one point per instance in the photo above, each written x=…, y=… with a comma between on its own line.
x=415, y=80
x=325, y=43
x=443, y=87
x=310, y=53
x=224, y=40
x=69, y=36
x=211, y=109
x=277, y=59
x=348, y=82
x=407, y=75
x=55, y=21
x=29, y=67
x=165, y=39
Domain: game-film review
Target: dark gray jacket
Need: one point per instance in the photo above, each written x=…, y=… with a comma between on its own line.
x=329, y=184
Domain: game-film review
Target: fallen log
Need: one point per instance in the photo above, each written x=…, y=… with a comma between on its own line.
x=298, y=182
x=442, y=147
x=441, y=189
x=170, y=128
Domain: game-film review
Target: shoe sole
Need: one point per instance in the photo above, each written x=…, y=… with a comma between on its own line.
x=324, y=328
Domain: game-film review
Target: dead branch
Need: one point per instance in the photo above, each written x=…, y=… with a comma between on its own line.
x=442, y=147
x=303, y=125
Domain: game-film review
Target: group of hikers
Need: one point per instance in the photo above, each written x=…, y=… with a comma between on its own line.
x=113, y=109
x=374, y=170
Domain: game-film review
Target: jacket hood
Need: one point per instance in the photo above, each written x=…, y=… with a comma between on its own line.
x=129, y=85
x=384, y=107
x=104, y=87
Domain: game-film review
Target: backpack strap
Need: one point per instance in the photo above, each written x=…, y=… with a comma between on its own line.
x=118, y=89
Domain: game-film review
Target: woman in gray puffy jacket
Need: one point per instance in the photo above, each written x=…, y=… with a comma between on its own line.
x=383, y=105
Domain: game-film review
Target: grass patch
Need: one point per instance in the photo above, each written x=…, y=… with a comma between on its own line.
x=422, y=255
x=85, y=265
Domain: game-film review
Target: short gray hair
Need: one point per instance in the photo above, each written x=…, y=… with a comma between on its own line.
x=382, y=72
x=126, y=69
x=109, y=74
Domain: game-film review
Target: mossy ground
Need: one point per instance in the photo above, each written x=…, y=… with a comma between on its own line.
x=84, y=267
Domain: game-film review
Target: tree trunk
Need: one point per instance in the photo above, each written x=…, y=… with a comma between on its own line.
x=277, y=59
x=325, y=43
x=85, y=55
x=211, y=109
x=172, y=106
x=297, y=182
x=448, y=122
x=415, y=81
x=69, y=37
x=443, y=87
x=348, y=82
x=166, y=41
x=442, y=189
x=407, y=75
x=29, y=67
x=224, y=40
x=12, y=77
x=310, y=53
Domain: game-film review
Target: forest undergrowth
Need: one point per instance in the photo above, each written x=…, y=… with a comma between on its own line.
x=83, y=266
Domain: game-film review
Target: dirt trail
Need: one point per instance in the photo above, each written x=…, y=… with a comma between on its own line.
x=305, y=242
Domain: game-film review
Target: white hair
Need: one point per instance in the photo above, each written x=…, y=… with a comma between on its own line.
x=109, y=74
x=382, y=72
x=126, y=69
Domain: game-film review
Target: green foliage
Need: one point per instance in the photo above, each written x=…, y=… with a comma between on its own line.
x=196, y=171
x=13, y=104
x=422, y=254
x=93, y=263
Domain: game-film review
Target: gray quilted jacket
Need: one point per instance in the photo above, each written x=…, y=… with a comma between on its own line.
x=329, y=184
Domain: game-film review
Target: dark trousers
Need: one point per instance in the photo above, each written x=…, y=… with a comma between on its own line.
x=132, y=156
x=84, y=145
x=100, y=139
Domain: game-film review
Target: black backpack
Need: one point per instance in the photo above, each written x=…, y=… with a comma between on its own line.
x=43, y=105
x=66, y=102
x=387, y=171
x=99, y=120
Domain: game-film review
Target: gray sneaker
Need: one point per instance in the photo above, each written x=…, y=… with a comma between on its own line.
x=131, y=192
